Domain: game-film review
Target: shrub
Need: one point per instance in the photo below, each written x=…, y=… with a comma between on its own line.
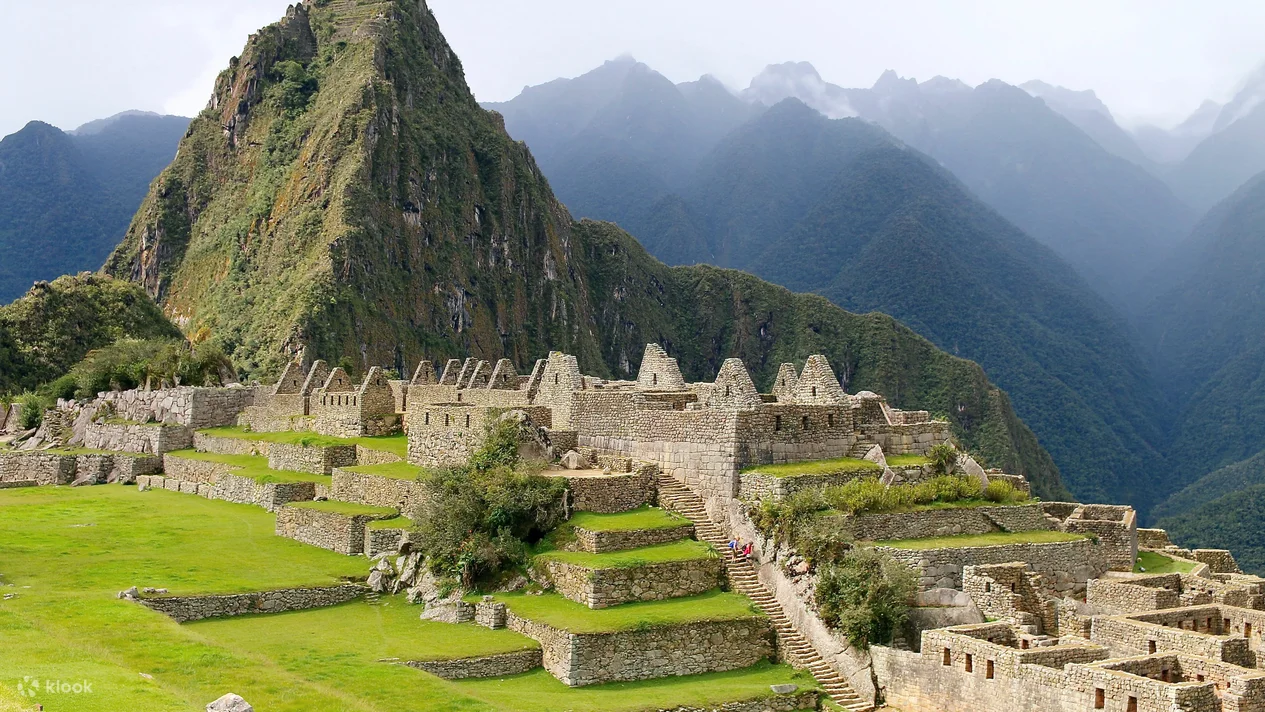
x=479, y=520
x=131, y=363
x=822, y=540
x=1003, y=492
x=33, y=407
x=865, y=595
x=943, y=458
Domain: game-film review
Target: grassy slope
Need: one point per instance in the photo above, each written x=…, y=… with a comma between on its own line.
x=815, y=467
x=641, y=518
x=554, y=610
x=1152, y=563
x=683, y=550
x=253, y=466
x=394, y=444
x=969, y=540
x=387, y=251
x=394, y=470
x=67, y=551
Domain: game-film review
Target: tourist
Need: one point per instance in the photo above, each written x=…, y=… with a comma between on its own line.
x=746, y=550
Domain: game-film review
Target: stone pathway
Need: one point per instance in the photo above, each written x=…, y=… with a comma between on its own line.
x=743, y=579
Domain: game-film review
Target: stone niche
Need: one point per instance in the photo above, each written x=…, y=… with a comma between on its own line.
x=687, y=649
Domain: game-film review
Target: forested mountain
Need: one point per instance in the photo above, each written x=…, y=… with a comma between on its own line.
x=66, y=199
x=1223, y=510
x=424, y=230
x=844, y=209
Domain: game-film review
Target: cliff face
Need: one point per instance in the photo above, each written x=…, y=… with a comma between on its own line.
x=344, y=196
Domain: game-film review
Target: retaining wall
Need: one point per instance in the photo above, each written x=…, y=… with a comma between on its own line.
x=600, y=588
x=502, y=665
x=183, y=609
x=948, y=522
x=1066, y=566
x=600, y=542
x=155, y=439
x=376, y=491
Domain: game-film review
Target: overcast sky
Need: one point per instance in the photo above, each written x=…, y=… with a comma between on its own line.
x=70, y=61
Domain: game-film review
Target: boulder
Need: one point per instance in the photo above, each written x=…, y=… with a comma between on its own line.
x=783, y=689
x=572, y=460
x=230, y=703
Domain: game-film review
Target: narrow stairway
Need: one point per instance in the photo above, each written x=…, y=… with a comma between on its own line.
x=743, y=579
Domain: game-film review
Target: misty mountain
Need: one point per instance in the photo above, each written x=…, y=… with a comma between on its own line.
x=1224, y=510
x=1208, y=330
x=66, y=198
x=1087, y=112
x=1170, y=146
x=621, y=134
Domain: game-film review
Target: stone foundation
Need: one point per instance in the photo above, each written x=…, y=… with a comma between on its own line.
x=689, y=649
x=502, y=665
x=601, y=542
x=591, y=491
x=153, y=439
x=183, y=609
x=600, y=588
x=38, y=467
x=336, y=531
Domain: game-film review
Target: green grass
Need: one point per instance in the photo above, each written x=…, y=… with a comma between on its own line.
x=252, y=466
x=907, y=460
x=394, y=470
x=554, y=610
x=394, y=444
x=992, y=539
x=350, y=509
x=67, y=551
x=814, y=467
x=637, y=519
x=1152, y=563
x=684, y=550
x=393, y=523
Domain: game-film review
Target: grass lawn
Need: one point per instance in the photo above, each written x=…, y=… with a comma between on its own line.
x=67, y=551
x=1150, y=562
x=993, y=539
x=395, y=444
x=350, y=509
x=683, y=550
x=814, y=467
x=393, y=523
x=637, y=519
x=394, y=470
x=907, y=460
x=252, y=466
x=562, y=613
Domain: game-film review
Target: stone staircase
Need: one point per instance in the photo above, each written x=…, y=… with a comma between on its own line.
x=860, y=448
x=743, y=579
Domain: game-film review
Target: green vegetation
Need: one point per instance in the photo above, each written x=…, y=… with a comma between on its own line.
x=641, y=518
x=871, y=496
x=394, y=444
x=55, y=325
x=252, y=466
x=815, y=467
x=350, y=509
x=991, y=539
x=66, y=623
x=943, y=457
x=1152, y=563
x=394, y=470
x=393, y=523
x=683, y=550
x=478, y=521
x=559, y=612
x=907, y=461
x=865, y=595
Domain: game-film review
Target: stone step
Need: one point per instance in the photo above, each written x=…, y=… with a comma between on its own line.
x=743, y=579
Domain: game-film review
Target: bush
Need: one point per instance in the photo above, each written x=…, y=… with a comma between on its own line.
x=865, y=596
x=943, y=458
x=1003, y=492
x=821, y=540
x=479, y=520
x=33, y=407
x=132, y=363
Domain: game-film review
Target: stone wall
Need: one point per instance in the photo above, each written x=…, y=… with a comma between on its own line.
x=610, y=493
x=1115, y=596
x=336, y=531
x=1114, y=528
x=215, y=480
x=948, y=522
x=688, y=649
x=375, y=491
x=757, y=486
x=1167, y=632
x=196, y=408
x=1153, y=539
x=1066, y=566
x=383, y=541
x=601, y=542
x=907, y=439
x=791, y=702
x=183, y=609
x=316, y=460
x=37, y=467
x=502, y=665
x=449, y=433
x=601, y=588
x=369, y=456
x=155, y=439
